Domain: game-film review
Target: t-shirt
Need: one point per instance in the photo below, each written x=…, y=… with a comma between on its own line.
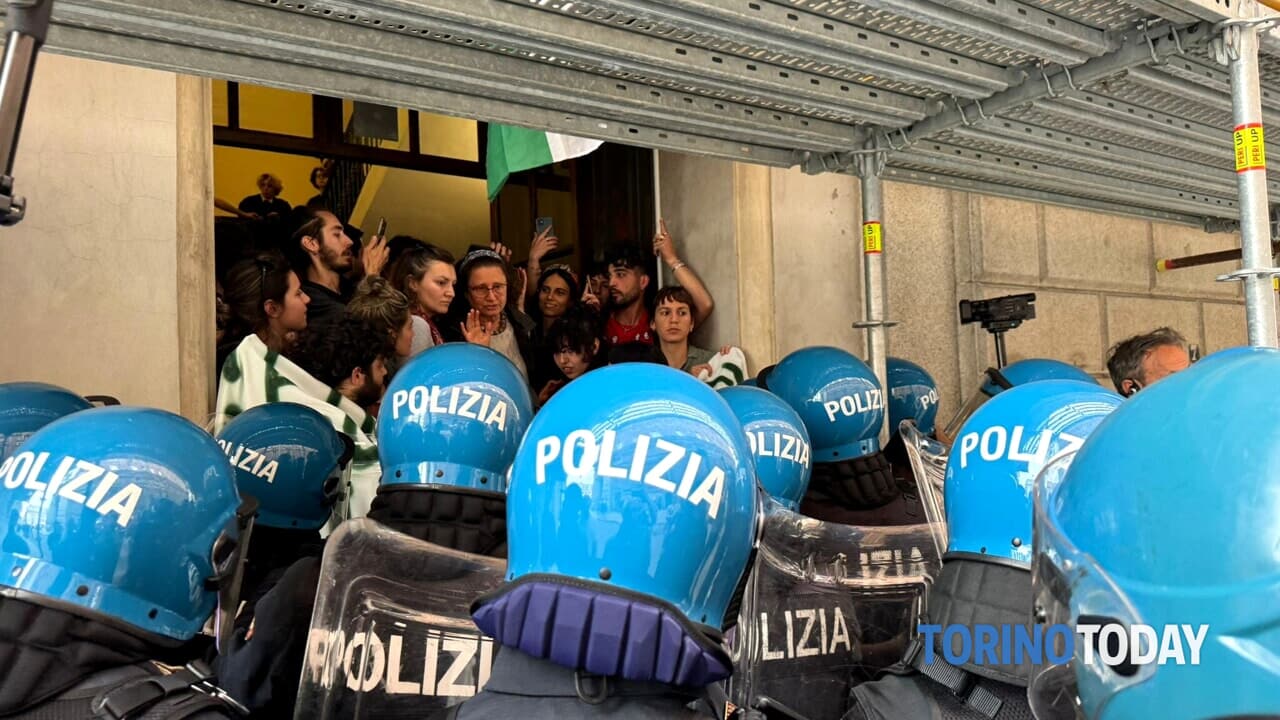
x=422, y=337
x=505, y=343
x=697, y=356
x=618, y=334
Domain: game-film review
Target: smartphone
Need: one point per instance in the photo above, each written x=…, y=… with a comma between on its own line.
x=382, y=227
x=541, y=224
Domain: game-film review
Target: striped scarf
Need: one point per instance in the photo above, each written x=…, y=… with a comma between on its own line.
x=255, y=375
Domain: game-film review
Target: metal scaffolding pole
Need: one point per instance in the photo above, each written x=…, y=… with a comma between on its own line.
x=870, y=170
x=1241, y=43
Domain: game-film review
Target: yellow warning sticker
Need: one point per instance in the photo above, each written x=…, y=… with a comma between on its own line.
x=1251, y=151
x=872, y=238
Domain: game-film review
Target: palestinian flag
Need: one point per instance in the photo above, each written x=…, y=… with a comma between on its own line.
x=512, y=149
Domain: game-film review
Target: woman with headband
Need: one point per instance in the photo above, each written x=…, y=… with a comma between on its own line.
x=480, y=314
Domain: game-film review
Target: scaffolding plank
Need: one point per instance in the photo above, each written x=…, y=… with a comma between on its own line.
x=1068, y=181
x=536, y=33
x=1038, y=23
x=802, y=35
x=1105, y=158
x=923, y=15
x=197, y=60
x=1021, y=192
x=465, y=69
x=1211, y=75
x=1133, y=53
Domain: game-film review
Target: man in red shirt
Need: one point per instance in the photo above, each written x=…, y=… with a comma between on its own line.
x=629, y=320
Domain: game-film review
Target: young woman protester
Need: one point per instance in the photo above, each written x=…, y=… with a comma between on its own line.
x=267, y=305
x=426, y=276
x=575, y=345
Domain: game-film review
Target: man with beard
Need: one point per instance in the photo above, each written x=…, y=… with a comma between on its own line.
x=350, y=357
x=629, y=277
x=322, y=253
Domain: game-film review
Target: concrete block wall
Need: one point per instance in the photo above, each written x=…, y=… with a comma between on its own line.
x=1096, y=282
x=1093, y=274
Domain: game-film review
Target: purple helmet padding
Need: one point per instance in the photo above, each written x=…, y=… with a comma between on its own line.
x=601, y=633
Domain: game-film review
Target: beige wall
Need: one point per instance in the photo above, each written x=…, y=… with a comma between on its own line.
x=89, y=280
x=1094, y=274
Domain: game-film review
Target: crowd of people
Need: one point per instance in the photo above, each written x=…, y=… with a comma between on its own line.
x=419, y=500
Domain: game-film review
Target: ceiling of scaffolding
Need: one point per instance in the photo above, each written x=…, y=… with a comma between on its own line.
x=1117, y=106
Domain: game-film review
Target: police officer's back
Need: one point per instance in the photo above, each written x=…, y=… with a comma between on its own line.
x=292, y=461
x=843, y=407
x=986, y=570
x=449, y=427
x=122, y=533
x=1166, y=518
x=632, y=510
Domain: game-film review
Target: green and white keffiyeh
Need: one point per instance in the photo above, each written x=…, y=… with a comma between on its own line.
x=256, y=375
x=727, y=369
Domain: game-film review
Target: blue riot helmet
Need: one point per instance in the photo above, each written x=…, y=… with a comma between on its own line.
x=1014, y=374
x=913, y=395
x=632, y=512
x=127, y=516
x=1029, y=371
x=995, y=459
x=837, y=396
x=990, y=478
x=778, y=440
x=453, y=417
x=25, y=407
x=840, y=400
x=1166, y=519
x=289, y=458
x=448, y=430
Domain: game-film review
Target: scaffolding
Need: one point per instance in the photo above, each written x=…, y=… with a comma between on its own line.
x=1148, y=108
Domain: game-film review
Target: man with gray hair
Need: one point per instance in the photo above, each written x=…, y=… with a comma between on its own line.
x=1143, y=359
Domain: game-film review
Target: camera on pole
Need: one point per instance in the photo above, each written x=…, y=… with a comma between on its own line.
x=998, y=316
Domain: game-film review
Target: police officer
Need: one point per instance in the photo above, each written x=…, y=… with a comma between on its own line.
x=985, y=577
x=913, y=395
x=1012, y=375
x=448, y=429
x=289, y=458
x=631, y=513
x=1166, y=517
x=25, y=407
x=843, y=407
x=778, y=440
x=123, y=533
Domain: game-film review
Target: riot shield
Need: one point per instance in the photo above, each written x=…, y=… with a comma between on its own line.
x=391, y=634
x=929, y=466
x=826, y=606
